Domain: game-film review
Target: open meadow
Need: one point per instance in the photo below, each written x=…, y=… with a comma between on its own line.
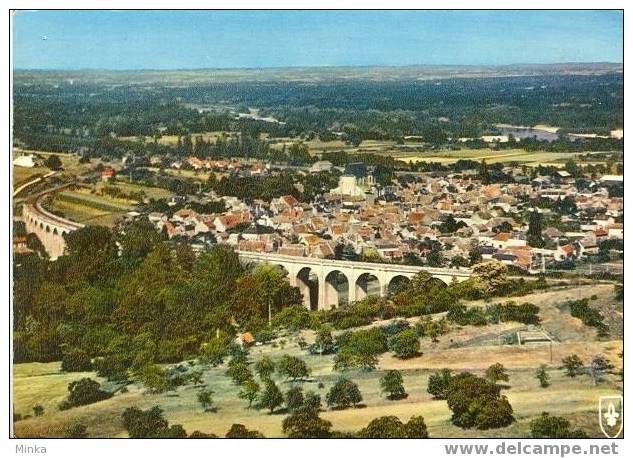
x=461, y=350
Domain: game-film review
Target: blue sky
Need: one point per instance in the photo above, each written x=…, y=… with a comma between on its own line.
x=235, y=39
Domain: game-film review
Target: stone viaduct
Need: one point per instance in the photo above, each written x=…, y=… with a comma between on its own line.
x=326, y=282
x=49, y=228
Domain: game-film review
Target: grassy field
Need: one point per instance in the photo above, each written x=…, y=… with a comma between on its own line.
x=172, y=140
x=465, y=348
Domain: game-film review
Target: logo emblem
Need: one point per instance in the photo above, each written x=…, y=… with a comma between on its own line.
x=611, y=414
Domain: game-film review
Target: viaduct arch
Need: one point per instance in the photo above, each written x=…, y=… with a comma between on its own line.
x=49, y=228
x=327, y=283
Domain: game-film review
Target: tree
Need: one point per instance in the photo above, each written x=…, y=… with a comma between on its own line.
x=149, y=424
x=76, y=360
x=484, y=174
x=439, y=383
x=53, y=162
x=292, y=367
x=392, y=384
x=323, y=342
x=250, y=390
x=476, y=402
x=205, y=399
x=38, y=410
x=535, y=230
x=83, y=392
x=599, y=365
x=490, y=277
x=497, y=372
x=294, y=398
x=390, y=427
x=572, y=364
x=551, y=427
x=265, y=367
x=312, y=400
x=76, y=431
x=343, y=394
x=238, y=431
x=305, y=423
x=271, y=397
x=239, y=372
x=542, y=376
x=405, y=344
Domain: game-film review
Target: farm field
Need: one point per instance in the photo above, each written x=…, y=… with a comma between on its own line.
x=172, y=140
x=574, y=398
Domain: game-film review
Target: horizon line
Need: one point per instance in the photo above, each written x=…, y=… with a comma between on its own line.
x=297, y=67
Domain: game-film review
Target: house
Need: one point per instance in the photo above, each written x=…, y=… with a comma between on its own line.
x=27, y=161
x=245, y=339
x=107, y=173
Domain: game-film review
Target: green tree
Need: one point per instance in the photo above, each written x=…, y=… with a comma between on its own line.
x=439, y=383
x=271, y=397
x=392, y=384
x=292, y=367
x=390, y=427
x=238, y=431
x=76, y=360
x=149, y=424
x=205, y=398
x=53, y=162
x=305, y=423
x=572, y=364
x=535, y=230
x=496, y=373
x=599, y=365
x=294, y=398
x=83, y=392
x=239, y=372
x=343, y=394
x=265, y=367
x=38, y=410
x=405, y=344
x=249, y=391
x=542, y=376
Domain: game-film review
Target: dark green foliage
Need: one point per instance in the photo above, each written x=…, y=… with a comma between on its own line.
x=38, y=410
x=83, y=392
x=360, y=349
x=200, y=435
x=292, y=318
x=292, y=368
x=392, y=384
x=265, y=367
x=542, y=376
x=238, y=431
x=405, y=344
x=476, y=402
x=552, y=427
x=205, y=398
x=439, y=383
x=496, y=373
x=572, y=365
x=305, y=423
x=589, y=316
x=390, y=427
x=271, y=397
x=150, y=424
x=323, y=343
x=343, y=394
x=239, y=372
x=294, y=398
x=53, y=162
x=76, y=431
x=76, y=360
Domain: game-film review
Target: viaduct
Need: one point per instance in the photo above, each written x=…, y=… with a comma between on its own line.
x=49, y=228
x=326, y=282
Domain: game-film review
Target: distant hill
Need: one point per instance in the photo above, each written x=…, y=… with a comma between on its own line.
x=311, y=74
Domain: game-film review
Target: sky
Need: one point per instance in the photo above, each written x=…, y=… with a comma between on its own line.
x=132, y=40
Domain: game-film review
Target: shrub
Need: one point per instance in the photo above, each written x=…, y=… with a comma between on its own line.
x=405, y=344
x=392, y=384
x=542, y=376
x=572, y=364
x=439, y=384
x=292, y=318
x=38, y=410
x=76, y=360
x=149, y=424
x=497, y=372
x=238, y=431
x=551, y=427
x=390, y=427
x=76, y=431
x=83, y=392
x=205, y=399
x=343, y=394
x=323, y=343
